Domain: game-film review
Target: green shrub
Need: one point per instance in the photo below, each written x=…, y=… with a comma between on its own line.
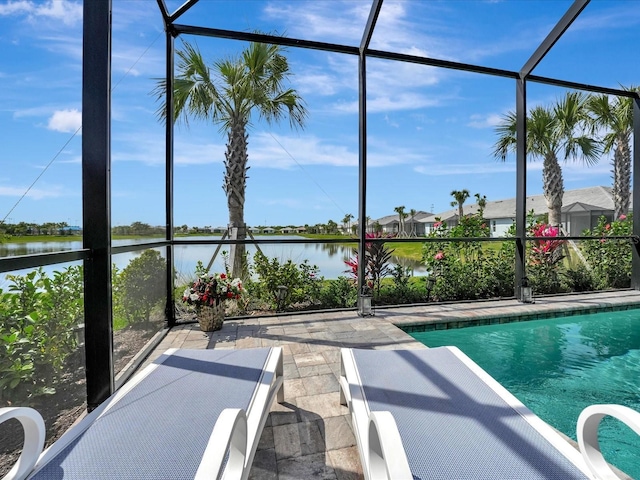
x=610, y=259
x=340, y=293
x=38, y=318
x=580, y=280
x=302, y=282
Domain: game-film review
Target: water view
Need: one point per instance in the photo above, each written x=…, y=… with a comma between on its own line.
x=329, y=257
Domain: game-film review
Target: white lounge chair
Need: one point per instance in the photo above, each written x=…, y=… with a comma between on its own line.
x=190, y=414
x=435, y=414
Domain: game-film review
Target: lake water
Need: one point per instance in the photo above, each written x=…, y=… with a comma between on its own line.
x=329, y=257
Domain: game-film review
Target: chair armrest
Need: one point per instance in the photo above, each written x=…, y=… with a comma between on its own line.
x=34, y=435
x=229, y=433
x=387, y=458
x=587, y=433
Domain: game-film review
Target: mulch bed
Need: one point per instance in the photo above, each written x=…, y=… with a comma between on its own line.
x=63, y=408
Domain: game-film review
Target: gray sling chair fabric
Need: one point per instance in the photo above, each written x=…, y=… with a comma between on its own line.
x=454, y=421
x=160, y=426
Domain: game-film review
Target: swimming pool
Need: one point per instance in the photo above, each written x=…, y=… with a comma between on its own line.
x=559, y=366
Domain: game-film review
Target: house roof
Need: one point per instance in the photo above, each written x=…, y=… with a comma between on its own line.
x=396, y=218
x=583, y=199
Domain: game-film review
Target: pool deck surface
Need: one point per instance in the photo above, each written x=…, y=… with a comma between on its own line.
x=310, y=436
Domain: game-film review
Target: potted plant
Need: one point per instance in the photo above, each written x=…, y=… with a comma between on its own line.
x=208, y=294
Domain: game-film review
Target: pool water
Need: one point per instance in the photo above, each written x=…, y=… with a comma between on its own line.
x=559, y=366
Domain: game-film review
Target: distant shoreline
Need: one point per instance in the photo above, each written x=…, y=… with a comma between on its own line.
x=404, y=250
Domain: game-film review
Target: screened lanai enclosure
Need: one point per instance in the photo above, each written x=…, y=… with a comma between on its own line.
x=447, y=118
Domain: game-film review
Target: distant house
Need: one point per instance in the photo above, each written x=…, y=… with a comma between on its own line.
x=253, y=230
x=301, y=230
x=581, y=210
x=268, y=230
x=70, y=230
x=412, y=225
x=288, y=230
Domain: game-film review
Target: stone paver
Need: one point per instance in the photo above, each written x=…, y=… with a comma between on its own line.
x=309, y=436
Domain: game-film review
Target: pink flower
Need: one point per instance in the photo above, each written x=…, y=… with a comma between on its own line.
x=602, y=240
x=439, y=256
x=484, y=225
x=607, y=226
x=623, y=217
x=437, y=225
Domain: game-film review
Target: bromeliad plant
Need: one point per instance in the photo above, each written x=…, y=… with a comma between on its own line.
x=377, y=258
x=212, y=289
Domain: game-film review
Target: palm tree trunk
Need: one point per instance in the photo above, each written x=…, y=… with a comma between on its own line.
x=621, y=176
x=235, y=182
x=553, y=187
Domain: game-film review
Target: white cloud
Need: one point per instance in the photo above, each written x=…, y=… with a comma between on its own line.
x=323, y=21
x=34, y=193
x=275, y=151
x=69, y=45
x=68, y=121
x=484, y=121
x=441, y=169
x=66, y=11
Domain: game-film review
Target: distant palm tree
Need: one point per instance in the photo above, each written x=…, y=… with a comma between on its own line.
x=413, y=212
x=460, y=196
x=227, y=94
x=615, y=116
x=481, y=201
x=552, y=132
x=401, y=216
x=346, y=221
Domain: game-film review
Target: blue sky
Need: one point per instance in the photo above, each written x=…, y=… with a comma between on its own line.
x=430, y=130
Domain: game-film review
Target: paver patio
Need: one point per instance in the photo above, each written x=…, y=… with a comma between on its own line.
x=309, y=436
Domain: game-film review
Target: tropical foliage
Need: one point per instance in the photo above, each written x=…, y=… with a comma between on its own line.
x=301, y=282
x=612, y=119
x=464, y=270
x=39, y=315
x=228, y=93
x=377, y=259
x=553, y=133
x=610, y=259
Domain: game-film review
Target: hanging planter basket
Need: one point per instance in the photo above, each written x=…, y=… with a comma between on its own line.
x=211, y=318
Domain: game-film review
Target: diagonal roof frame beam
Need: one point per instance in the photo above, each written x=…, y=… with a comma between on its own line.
x=567, y=19
x=163, y=11
x=182, y=9
x=170, y=18
x=371, y=24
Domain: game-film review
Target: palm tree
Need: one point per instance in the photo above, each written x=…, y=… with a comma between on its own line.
x=346, y=222
x=227, y=94
x=615, y=117
x=551, y=132
x=481, y=201
x=401, y=216
x=460, y=196
x=413, y=212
